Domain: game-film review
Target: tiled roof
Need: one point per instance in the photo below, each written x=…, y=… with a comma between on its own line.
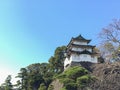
x=80, y=37
x=82, y=52
x=90, y=46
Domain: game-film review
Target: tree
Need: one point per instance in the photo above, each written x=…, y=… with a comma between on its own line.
x=23, y=76
x=38, y=74
x=2, y=87
x=8, y=84
x=111, y=33
x=110, y=37
x=107, y=48
x=18, y=85
x=56, y=62
x=34, y=75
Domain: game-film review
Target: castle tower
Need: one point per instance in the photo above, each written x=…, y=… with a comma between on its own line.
x=78, y=50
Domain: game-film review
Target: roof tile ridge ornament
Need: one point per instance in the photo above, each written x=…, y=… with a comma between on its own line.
x=79, y=37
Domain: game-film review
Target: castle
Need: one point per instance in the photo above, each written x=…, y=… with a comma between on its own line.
x=79, y=50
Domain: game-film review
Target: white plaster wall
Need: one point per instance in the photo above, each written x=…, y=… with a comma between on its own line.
x=82, y=49
x=94, y=59
x=80, y=43
x=77, y=49
x=66, y=62
x=83, y=57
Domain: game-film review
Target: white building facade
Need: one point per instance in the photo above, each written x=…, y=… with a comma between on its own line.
x=78, y=50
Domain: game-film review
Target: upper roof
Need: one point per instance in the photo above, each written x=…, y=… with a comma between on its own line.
x=78, y=38
x=81, y=38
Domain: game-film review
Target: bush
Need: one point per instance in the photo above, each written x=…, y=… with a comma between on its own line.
x=71, y=86
x=67, y=80
x=63, y=88
x=75, y=72
x=74, y=77
x=83, y=80
x=42, y=87
x=61, y=76
x=50, y=87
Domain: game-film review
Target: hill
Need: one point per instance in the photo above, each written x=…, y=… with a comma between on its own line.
x=106, y=77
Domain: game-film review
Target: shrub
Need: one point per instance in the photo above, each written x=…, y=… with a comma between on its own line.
x=50, y=87
x=67, y=80
x=42, y=87
x=75, y=72
x=63, y=88
x=71, y=86
x=83, y=80
x=61, y=76
x=74, y=77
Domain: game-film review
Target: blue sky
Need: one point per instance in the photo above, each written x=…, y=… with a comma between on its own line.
x=30, y=30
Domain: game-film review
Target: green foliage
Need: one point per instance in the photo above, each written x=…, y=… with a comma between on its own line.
x=71, y=86
x=18, y=83
x=35, y=74
x=42, y=87
x=7, y=85
x=56, y=62
x=75, y=72
x=50, y=87
x=63, y=88
x=61, y=76
x=67, y=80
x=83, y=80
x=23, y=76
x=74, y=77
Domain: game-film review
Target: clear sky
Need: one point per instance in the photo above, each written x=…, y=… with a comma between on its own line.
x=30, y=30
